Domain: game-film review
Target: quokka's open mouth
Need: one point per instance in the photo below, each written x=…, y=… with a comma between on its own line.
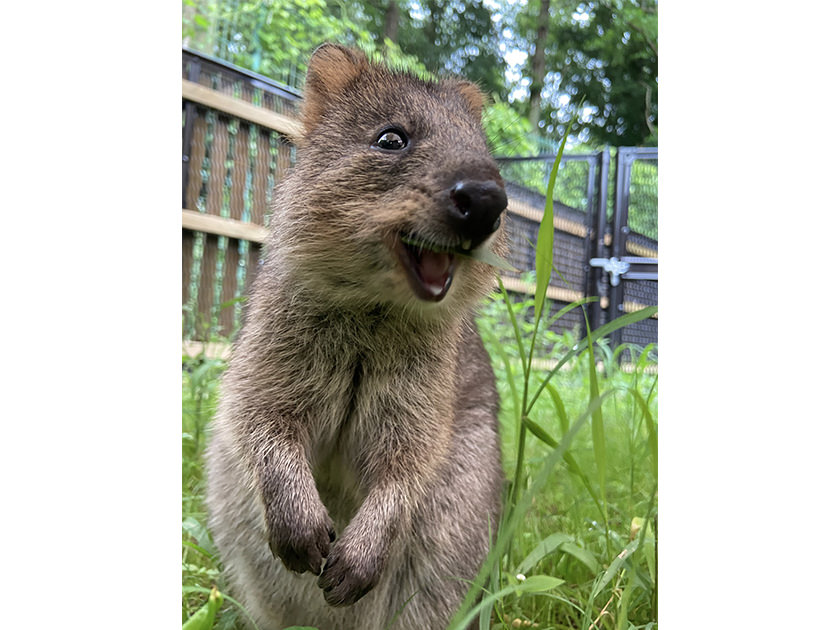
x=429, y=267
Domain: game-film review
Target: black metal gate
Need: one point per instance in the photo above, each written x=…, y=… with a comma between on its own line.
x=625, y=246
x=616, y=203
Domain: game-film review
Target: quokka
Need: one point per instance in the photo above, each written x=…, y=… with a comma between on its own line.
x=354, y=471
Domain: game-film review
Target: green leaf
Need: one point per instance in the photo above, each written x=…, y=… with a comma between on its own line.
x=565, y=544
x=546, y=546
x=489, y=257
x=613, y=569
x=559, y=406
x=482, y=254
x=599, y=443
x=539, y=583
x=199, y=532
x=201, y=550
x=205, y=616
x=538, y=431
x=585, y=556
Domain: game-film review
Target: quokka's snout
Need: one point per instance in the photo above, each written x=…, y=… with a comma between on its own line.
x=475, y=212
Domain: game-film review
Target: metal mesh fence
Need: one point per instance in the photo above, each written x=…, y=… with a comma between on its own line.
x=571, y=187
x=644, y=198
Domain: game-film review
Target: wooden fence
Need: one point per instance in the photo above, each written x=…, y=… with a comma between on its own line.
x=238, y=133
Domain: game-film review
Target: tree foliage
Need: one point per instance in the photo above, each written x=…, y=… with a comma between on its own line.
x=601, y=53
x=604, y=54
x=272, y=37
x=457, y=37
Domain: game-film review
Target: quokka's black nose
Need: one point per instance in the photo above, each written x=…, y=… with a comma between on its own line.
x=476, y=209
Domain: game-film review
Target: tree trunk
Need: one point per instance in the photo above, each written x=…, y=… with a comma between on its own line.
x=538, y=66
x=392, y=21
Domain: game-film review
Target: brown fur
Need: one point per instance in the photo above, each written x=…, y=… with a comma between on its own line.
x=358, y=422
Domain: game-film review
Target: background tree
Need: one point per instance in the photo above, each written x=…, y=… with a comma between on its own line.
x=603, y=53
x=272, y=37
x=450, y=37
x=538, y=65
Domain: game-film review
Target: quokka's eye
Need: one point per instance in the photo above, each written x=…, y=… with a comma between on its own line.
x=392, y=139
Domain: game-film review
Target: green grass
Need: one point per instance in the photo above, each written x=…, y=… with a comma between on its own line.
x=581, y=518
x=572, y=529
x=200, y=566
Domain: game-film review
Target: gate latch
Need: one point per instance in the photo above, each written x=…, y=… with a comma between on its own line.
x=613, y=266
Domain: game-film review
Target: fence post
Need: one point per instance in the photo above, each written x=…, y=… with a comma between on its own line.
x=595, y=246
x=624, y=162
x=193, y=74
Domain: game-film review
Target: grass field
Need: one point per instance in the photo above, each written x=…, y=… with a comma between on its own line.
x=578, y=549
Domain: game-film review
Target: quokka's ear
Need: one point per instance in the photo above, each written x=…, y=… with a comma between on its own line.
x=473, y=96
x=331, y=68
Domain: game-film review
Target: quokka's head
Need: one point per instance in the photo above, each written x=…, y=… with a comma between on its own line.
x=394, y=193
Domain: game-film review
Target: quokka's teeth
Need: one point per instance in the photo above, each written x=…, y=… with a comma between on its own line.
x=466, y=244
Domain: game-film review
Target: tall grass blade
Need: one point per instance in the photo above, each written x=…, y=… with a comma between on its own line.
x=543, y=264
x=599, y=441
x=516, y=331
x=615, y=566
x=509, y=527
x=571, y=462
x=559, y=406
x=653, y=444
x=545, y=234
x=606, y=329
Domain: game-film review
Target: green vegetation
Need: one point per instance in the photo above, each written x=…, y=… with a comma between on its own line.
x=590, y=519
x=535, y=58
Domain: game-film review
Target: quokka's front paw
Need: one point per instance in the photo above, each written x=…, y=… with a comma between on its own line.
x=349, y=573
x=301, y=538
